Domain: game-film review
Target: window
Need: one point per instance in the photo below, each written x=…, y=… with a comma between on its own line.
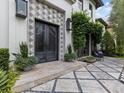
x=81, y=4
x=91, y=9
x=21, y=8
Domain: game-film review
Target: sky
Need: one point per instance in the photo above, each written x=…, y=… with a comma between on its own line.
x=104, y=12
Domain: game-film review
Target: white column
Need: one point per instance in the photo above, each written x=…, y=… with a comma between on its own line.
x=90, y=45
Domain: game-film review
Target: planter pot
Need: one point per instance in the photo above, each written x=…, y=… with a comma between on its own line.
x=90, y=61
x=69, y=60
x=28, y=68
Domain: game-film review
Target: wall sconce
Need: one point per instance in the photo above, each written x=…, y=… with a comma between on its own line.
x=68, y=24
x=21, y=8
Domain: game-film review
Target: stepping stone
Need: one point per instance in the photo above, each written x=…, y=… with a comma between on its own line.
x=69, y=75
x=84, y=75
x=45, y=87
x=93, y=69
x=115, y=75
x=108, y=69
x=82, y=69
x=66, y=85
x=113, y=86
x=91, y=86
x=101, y=75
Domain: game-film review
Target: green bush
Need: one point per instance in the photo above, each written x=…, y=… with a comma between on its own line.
x=69, y=57
x=7, y=81
x=79, y=21
x=4, y=58
x=82, y=26
x=120, y=49
x=23, y=49
x=23, y=62
x=69, y=49
x=108, y=45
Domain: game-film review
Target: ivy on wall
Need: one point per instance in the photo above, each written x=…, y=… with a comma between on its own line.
x=79, y=20
x=82, y=25
x=98, y=30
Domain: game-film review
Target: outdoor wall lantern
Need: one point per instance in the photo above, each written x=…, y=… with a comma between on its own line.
x=21, y=8
x=68, y=24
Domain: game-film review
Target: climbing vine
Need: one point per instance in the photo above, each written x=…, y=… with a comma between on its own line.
x=79, y=21
x=81, y=25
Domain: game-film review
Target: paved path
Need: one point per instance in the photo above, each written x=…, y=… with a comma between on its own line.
x=100, y=77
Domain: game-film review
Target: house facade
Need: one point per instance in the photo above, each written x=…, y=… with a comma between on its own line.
x=41, y=24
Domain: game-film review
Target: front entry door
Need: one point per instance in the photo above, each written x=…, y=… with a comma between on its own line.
x=46, y=41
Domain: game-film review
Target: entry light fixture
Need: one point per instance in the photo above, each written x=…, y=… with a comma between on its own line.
x=21, y=8
x=68, y=24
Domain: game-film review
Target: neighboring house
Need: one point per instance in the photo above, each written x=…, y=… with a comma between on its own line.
x=89, y=6
x=105, y=27
x=42, y=24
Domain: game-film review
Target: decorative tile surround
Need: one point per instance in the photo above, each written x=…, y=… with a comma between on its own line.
x=38, y=10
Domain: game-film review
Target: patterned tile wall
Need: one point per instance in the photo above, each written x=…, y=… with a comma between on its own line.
x=44, y=12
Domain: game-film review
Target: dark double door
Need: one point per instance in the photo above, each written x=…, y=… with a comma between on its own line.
x=46, y=41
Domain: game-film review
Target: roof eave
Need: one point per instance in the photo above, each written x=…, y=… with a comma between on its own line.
x=99, y=3
x=102, y=21
x=71, y=1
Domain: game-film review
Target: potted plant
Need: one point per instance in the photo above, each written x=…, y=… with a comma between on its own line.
x=24, y=62
x=70, y=56
x=89, y=59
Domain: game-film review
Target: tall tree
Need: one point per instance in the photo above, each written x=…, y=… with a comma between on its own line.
x=117, y=20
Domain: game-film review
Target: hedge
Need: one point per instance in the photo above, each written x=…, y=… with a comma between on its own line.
x=4, y=58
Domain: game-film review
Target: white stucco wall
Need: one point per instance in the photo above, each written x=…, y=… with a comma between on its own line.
x=4, y=24
x=17, y=28
x=86, y=3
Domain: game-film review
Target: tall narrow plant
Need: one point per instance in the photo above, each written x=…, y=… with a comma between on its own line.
x=69, y=49
x=24, y=50
x=79, y=21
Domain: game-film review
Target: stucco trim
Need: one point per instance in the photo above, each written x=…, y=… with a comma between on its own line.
x=71, y=1
x=51, y=5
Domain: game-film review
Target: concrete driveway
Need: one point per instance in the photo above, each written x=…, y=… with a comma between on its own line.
x=100, y=77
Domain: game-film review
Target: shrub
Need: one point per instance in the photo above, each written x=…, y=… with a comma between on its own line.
x=23, y=49
x=79, y=20
x=120, y=48
x=23, y=62
x=4, y=58
x=7, y=81
x=69, y=57
x=82, y=26
x=108, y=45
x=69, y=49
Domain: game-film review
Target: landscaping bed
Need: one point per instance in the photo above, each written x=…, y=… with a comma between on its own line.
x=88, y=59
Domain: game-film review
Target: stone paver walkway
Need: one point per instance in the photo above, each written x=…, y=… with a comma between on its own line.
x=100, y=77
